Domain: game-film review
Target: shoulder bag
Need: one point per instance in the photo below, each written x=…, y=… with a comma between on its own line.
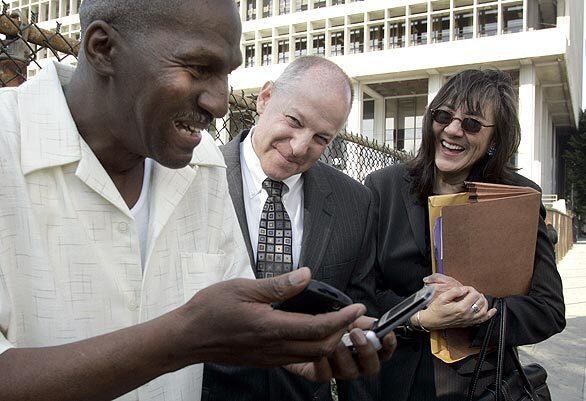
x=524, y=383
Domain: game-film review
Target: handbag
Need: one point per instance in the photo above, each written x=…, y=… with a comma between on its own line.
x=524, y=383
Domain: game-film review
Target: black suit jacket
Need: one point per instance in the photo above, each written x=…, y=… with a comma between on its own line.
x=336, y=246
x=403, y=259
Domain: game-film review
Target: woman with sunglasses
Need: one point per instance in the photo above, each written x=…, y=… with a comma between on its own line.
x=470, y=132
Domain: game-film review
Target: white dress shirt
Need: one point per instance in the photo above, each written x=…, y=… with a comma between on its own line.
x=140, y=210
x=255, y=197
x=70, y=262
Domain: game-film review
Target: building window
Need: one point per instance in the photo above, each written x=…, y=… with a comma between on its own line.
x=337, y=43
x=267, y=8
x=249, y=56
x=487, y=22
x=463, y=28
x=418, y=31
x=441, y=28
x=283, y=55
x=266, y=53
x=284, y=6
x=404, y=122
x=319, y=3
x=319, y=45
x=336, y=2
x=376, y=34
x=512, y=18
x=301, y=46
x=396, y=34
x=250, y=10
x=368, y=118
x=301, y=5
x=357, y=40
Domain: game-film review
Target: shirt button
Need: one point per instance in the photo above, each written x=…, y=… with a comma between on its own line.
x=122, y=227
x=132, y=305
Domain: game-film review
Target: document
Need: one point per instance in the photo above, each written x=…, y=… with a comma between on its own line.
x=484, y=238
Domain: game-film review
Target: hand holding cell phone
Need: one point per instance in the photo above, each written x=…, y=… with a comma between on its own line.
x=395, y=317
x=315, y=299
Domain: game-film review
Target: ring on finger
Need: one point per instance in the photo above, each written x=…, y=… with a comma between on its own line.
x=475, y=308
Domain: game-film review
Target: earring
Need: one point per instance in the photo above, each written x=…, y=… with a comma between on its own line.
x=491, y=151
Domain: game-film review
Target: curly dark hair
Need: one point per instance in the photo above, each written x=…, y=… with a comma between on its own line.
x=474, y=91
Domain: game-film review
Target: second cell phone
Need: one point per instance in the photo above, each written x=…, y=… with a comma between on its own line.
x=395, y=317
x=315, y=299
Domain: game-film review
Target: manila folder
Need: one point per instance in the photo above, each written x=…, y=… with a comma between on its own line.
x=490, y=245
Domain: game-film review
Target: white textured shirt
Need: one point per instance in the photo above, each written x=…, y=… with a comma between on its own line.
x=255, y=197
x=70, y=263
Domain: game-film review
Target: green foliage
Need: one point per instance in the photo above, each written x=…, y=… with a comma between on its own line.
x=576, y=167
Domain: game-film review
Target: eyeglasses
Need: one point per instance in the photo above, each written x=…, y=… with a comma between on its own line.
x=468, y=124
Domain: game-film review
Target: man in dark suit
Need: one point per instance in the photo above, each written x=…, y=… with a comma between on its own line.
x=296, y=211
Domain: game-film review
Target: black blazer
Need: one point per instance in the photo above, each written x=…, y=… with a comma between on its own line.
x=336, y=246
x=403, y=259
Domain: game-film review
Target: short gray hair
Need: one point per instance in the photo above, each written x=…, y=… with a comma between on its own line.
x=318, y=67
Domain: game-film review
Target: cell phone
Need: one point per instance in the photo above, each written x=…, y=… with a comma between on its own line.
x=315, y=299
x=394, y=317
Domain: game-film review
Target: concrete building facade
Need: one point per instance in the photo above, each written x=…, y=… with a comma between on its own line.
x=400, y=52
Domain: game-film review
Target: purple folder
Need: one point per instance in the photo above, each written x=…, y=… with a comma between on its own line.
x=438, y=246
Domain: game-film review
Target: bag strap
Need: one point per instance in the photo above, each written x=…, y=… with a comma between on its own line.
x=528, y=387
x=500, y=366
x=481, y=358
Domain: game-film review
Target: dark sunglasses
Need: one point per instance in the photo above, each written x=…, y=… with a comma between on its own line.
x=468, y=124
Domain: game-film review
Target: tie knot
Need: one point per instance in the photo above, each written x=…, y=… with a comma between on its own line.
x=273, y=188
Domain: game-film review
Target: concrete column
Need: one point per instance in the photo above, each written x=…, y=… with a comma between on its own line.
x=434, y=84
x=379, y=119
x=527, y=89
x=379, y=114
x=354, y=124
x=242, y=10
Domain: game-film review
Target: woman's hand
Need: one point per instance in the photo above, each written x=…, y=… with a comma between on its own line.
x=441, y=282
x=456, y=307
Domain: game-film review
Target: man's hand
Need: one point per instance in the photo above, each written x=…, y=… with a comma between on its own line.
x=230, y=322
x=342, y=364
x=233, y=323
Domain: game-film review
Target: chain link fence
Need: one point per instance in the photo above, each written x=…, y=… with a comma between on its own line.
x=23, y=43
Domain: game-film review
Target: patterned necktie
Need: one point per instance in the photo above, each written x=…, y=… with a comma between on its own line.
x=274, y=255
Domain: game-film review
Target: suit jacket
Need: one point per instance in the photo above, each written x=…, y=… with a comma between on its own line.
x=403, y=259
x=337, y=246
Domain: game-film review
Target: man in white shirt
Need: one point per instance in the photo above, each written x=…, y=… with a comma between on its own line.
x=115, y=221
x=297, y=211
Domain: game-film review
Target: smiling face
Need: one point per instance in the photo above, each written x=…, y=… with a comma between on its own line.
x=296, y=125
x=456, y=150
x=174, y=81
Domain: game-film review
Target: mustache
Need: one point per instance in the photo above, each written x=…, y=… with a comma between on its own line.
x=198, y=118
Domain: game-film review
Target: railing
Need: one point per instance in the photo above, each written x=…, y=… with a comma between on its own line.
x=563, y=224
x=549, y=199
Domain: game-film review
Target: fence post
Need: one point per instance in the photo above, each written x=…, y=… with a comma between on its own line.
x=15, y=55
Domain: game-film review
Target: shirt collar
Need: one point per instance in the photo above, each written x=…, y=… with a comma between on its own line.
x=257, y=175
x=49, y=136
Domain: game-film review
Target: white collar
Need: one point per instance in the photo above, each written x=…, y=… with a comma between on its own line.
x=256, y=172
x=49, y=136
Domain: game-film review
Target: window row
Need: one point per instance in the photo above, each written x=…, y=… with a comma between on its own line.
x=47, y=10
x=270, y=7
x=394, y=33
